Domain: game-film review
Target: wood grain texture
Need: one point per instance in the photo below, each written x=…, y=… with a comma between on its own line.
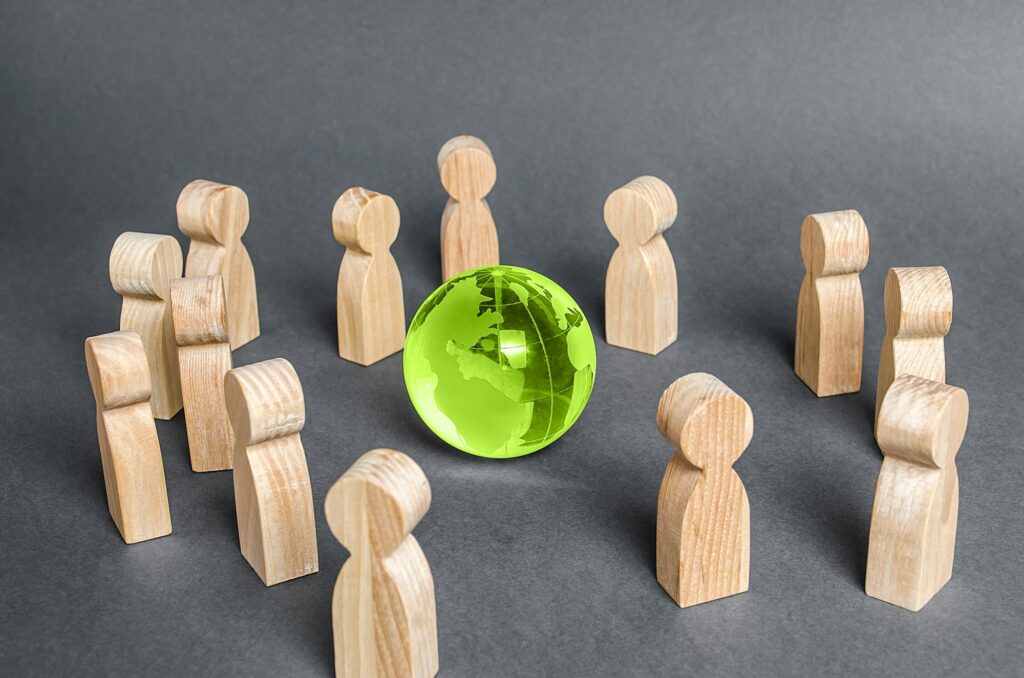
x=204, y=357
x=371, y=310
x=215, y=216
x=273, y=498
x=918, y=315
x=142, y=266
x=830, y=311
x=703, y=535
x=133, y=470
x=641, y=295
x=469, y=238
x=921, y=426
x=383, y=607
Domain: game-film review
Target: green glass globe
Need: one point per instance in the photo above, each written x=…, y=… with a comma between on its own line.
x=499, y=361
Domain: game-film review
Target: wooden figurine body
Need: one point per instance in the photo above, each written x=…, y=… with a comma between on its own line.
x=918, y=315
x=133, y=470
x=703, y=535
x=641, y=291
x=204, y=356
x=383, y=608
x=469, y=238
x=273, y=498
x=830, y=311
x=215, y=216
x=142, y=266
x=913, y=523
x=371, y=311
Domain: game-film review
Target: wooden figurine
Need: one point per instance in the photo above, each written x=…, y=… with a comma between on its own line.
x=383, y=608
x=371, y=311
x=703, y=535
x=913, y=523
x=273, y=498
x=641, y=296
x=830, y=311
x=918, y=314
x=142, y=266
x=133, y=470
x=468, y=236
x=204, y=356
x=215, y=216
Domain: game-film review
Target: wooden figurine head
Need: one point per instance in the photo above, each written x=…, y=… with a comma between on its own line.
x=143, y=264
x=640, y=210
x=199, y=310
x=922, y=421
x=213, y=212
x=706, y=420
x=264, y=401
x=118, y=369
x=380, y=499
x=918, y=302
x=834, y=243
x=365, y=221
x=467, y=168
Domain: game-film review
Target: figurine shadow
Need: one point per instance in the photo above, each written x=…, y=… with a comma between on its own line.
x=640, y=528
x=769, y=324
x=623, y=505
x=321, y=300
x=322, y=627
x=83, y=470
x=586, y=278
x=835, y=525
x=866, y=402
x=327, y=320
x=598, y=314
x=224, y=517
x=750, y=305
x=863, y=417
x=855, y=412
x=420, y=232
x=783, y=342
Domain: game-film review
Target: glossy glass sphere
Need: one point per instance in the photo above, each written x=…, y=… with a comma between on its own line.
x=499, y=361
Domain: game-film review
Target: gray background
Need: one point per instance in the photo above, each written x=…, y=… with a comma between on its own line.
x=755, y=114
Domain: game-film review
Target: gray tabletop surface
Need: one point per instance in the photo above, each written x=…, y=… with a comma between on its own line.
x=756, y=114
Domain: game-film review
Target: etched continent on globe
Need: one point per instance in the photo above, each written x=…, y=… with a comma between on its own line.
x=499, y=361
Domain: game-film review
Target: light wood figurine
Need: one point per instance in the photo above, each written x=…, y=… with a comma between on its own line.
x=142, y=266
x=383, y=608
x=133, y=470
x=204, y=356
x=830, y=310
x=468, y=236
x=703, y=535
x=913, y=523
x=273, y=498
x=918, y=315
x=371, y=311
x=641, y=297
x=215, y=216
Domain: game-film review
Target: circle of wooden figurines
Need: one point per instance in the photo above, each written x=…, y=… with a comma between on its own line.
x=174, y=347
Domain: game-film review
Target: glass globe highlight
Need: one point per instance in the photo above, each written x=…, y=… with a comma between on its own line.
x=499, y=361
